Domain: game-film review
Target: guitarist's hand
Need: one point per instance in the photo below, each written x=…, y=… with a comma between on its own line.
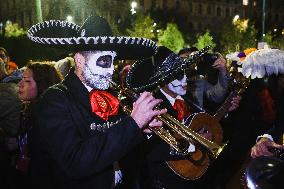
x=220, y=64
x=235, y=103
x=205, y=133
x=263, y=148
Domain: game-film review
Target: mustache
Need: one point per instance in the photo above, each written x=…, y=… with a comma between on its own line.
x=106, y=76
x=179, y=85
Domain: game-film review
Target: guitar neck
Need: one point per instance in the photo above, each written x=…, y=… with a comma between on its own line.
x=223, y=110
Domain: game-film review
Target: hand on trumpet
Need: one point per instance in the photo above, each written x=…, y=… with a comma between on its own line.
x=263, y=148
x=144, y=111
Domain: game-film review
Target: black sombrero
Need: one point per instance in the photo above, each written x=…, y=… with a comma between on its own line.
x=160, y=69
x=94, y=34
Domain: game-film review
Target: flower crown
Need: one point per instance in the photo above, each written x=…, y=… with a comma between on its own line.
x=245, y=53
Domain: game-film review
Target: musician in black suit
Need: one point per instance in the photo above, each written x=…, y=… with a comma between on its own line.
x=80, y=132
x=155, y=171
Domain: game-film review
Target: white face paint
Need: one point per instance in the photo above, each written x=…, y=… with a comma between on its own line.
x=99, y=69
x=178, y=86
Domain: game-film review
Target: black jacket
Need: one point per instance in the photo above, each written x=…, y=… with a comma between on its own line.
x=156, y=173
x=278, y=128
x=66, y=152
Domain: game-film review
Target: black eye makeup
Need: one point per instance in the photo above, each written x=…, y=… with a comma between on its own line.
x=104, y=61
x=3, y=56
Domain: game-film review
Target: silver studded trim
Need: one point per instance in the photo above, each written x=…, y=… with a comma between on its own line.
x=104, y=126
x=166, y=71
x=86, y=40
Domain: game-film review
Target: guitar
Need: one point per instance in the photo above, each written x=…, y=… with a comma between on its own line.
x=196, y=164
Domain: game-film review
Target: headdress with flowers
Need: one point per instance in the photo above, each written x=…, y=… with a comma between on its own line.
x=257, y=63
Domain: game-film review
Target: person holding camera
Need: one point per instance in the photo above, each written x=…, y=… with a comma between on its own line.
x=204, y=87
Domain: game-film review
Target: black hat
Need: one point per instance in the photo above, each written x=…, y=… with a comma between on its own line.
x=265, y=173
x=94, y=34
x=163, y=67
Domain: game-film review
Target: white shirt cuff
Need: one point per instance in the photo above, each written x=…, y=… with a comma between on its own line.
x=264, y=136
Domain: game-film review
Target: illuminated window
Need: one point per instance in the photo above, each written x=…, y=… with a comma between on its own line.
x=245, y=2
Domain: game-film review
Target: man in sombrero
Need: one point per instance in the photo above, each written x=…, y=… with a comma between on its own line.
x=80, y=132
x=164, y=75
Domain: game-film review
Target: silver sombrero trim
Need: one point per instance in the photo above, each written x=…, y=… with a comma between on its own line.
x=82, y=40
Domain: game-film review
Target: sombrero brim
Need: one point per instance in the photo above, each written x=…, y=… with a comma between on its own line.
x=145, y=76
x=62, y=34
x=139, y=74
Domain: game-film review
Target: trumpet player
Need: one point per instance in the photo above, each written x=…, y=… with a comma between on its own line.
x=80, y=132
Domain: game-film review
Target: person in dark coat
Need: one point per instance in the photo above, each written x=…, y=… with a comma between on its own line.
x=10, y=107
x=272, y=138
x=166, y=70
x=37, y=77
x=80, y=133
x=265, y=169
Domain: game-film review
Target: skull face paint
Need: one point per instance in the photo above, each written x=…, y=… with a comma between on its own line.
x=99, y=69
x=178, y=86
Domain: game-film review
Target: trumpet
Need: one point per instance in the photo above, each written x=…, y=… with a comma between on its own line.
x=174, y=133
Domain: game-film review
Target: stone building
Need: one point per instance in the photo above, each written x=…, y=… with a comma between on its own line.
x=190, y=15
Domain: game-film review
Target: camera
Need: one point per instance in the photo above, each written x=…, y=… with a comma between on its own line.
x=205, y=63
x=209, y=58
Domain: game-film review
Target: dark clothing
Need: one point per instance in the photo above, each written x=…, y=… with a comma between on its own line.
x=66, y=151
x=10, y=107
x=156, y=172
x=277, y=130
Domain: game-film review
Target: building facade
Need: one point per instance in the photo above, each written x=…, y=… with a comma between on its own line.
x=190, y=15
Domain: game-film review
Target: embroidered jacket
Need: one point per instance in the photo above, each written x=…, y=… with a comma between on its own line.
x=73, y=147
